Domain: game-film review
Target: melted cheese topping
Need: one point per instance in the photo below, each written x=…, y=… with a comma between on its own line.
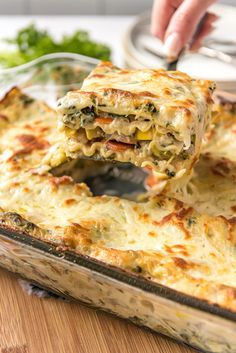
x=220, y=140
x=172, y=104
x=212, y=188
x=161, y=238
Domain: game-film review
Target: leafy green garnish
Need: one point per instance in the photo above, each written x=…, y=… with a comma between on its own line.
x=30, y=43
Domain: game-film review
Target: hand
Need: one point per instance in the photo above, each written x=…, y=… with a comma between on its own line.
x=175, y=23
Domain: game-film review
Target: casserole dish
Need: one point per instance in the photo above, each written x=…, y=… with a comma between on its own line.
x=25, y=250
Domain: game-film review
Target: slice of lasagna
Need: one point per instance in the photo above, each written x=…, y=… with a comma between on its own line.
x=150, y=118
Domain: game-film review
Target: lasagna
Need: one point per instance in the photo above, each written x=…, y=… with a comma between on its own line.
x=149, y=118
x=162, y=239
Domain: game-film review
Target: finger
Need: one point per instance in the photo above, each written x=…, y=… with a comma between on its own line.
x=211, y=17
x=183, y=24
x=206, y=29
x=198, y=41
x=162, y=12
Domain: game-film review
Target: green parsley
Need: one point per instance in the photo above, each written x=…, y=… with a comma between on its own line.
x=31, y=43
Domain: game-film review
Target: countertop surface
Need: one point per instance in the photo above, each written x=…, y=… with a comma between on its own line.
x=32, y=325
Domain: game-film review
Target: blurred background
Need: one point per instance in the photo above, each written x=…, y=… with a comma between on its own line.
x=78, y=7
x=117, y=30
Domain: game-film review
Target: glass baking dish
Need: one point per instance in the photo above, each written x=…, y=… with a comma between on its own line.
x=176, y=315
x=49, y=76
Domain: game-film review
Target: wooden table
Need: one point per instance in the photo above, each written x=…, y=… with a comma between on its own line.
x=32, y=325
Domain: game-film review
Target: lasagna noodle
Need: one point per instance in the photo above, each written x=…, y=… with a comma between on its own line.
x=150, y=118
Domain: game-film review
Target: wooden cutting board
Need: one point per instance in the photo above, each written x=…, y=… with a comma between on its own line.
x=32, y=325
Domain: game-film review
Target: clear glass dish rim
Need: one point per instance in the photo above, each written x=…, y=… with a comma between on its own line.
x=49, y=57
